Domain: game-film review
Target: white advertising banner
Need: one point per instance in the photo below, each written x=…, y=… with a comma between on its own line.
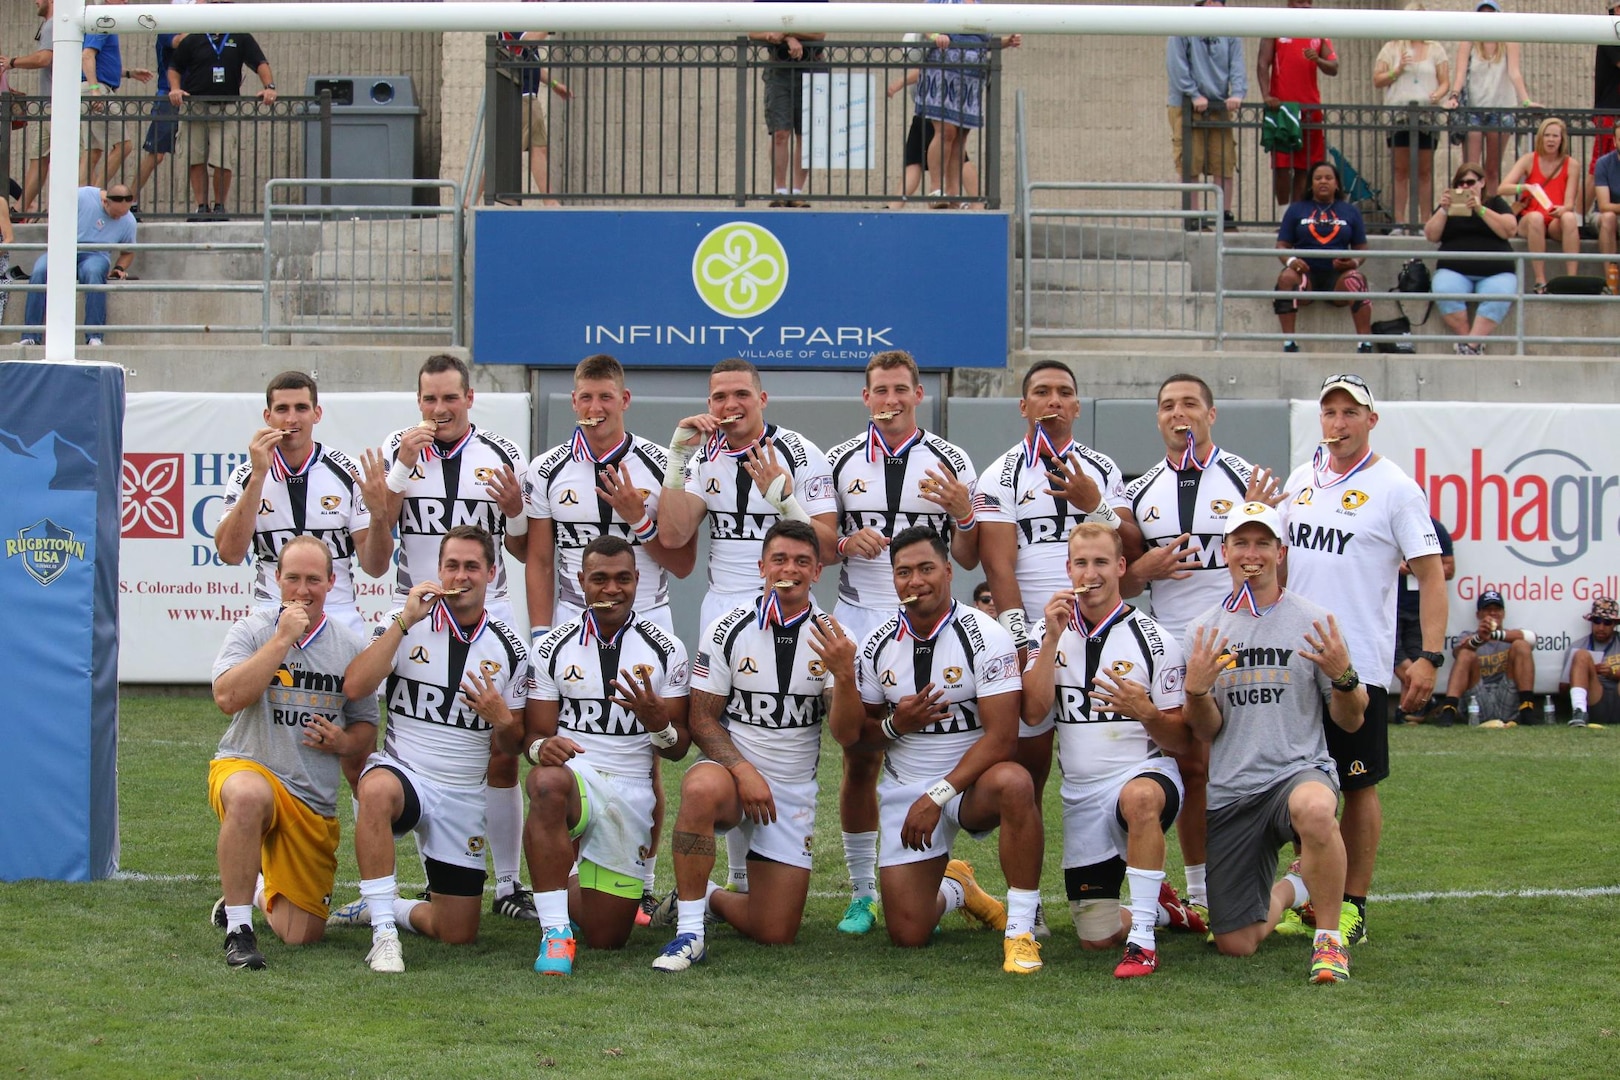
x=176, y=597
x=1531, y=497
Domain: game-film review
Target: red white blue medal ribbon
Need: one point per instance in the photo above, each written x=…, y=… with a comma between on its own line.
x=1243, y=600
x=432, y=449
x=443, y=620
x=909, y=629
x=768, y=609
x=1077, y=621
x=314, y=632
x=877, y=448
x=583, y=452
x=1039, y=445
x=1189, y=456
x=1319, y=462
x=280, y=470
x=590, y=629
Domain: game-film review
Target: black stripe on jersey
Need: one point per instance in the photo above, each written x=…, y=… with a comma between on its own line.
x=786, y=640
x=501, y=445
x=955, y=462
x=728, y=635
x=607, y=660
x=515, y=650
x=1187, y=485
x=339, y=466
x=791, y=447
x=1229, y=465
x=654, y=635
x=650, y=454
x=745, y=488
x=1150, y=653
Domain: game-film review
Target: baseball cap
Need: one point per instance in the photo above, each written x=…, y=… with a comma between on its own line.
x=1354, y=385
x=1256, y=512
x=1604, y=607
x=1488, y=598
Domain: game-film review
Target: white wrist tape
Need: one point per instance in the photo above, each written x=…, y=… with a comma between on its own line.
x=517, y=526
x=1529, y=637
x=786, y=505
x=1013, y=621
x=664, y=738
x=1104, y=515
x=942, y=792
x=399, y=475
x=680, y=452
x=532, y=754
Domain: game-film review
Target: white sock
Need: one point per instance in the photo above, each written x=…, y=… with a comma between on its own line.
x=1577, y=698
x=503, y=814
x=798, y=191
x=238, y=917
x=649, y=875
x=1144, y=904
x=860, y=856
x=689, y=916
x=402, y=913
x=781, y=191
x=737, y=859
x=378, y=893
x=552, y=907
x=1302, y=895
x=1332, y=935
x=1197, y=892
x=260, y=901
x=955, y=897
x=1021, y=905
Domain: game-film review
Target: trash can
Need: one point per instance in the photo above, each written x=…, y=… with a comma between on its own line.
x=373, y=137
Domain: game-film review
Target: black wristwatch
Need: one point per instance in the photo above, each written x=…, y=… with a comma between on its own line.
x=1348, y=681
x=1435, y=659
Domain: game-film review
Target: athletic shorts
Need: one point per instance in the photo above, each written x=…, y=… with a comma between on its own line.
x=1093, y=830
x=1362, y=755
x=562, y=611
x=790, y=838
x=1243, y=841
x=1498, y=700
x=449, y=821
x=895, y=799
x=160, y=132
x=298, y=854
x=615, y=822
x=1313, y=148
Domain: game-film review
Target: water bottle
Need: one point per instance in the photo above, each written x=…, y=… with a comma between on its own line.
x=1547, y=716
x=1473, y=711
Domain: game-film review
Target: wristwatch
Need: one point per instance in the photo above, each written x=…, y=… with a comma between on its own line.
x=1435, y=659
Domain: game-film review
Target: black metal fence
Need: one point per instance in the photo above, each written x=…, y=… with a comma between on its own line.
x=1361, y=137
x=144, y=143
x=677, y=121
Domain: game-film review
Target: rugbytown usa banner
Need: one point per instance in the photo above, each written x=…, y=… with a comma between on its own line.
x=176, y=597
x=1530, y=496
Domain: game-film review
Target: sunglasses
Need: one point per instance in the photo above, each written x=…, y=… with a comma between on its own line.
x=1468, y=181
x=120, y=198
x=1605, y=622
x=1353, y=380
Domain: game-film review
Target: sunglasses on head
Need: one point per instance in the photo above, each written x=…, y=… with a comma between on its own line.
x=1353, y=380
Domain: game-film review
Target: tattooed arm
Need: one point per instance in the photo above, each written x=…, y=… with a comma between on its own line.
x=752, y=788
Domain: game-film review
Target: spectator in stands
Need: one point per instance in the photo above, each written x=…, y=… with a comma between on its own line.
x=1606, y=93
x=983, y=600
x=38, y=132
x=920, y=136
x=1606, y=212
x=1498, y=665
x=8, y=238
x=1288, y=68
x=208, y=67
x=950, y=93
x=1473, y=223
x=1548, y=188
x=536, y=82
x=1487, y=77
x=1411, y=73
x=1408, y=625
x=1592, y=669
x=1323, y=222
x=1207, y=72
x=103, y=73
x=159, y=142
x=791, y=60
x=104, y=218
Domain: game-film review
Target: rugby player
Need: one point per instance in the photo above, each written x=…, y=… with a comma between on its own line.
x=1259, y=668
x=745, y=475
x=291, y=486
x=757, y=707
x=1179, y=507
x=1112, y=675
x=940, y=685
x=443, y=472
x=456, y=678
x=609, y=699
x=890, y=477
x=1352, y=516
x=274, y=781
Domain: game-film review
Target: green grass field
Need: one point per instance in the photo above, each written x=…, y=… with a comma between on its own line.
x=125, y=978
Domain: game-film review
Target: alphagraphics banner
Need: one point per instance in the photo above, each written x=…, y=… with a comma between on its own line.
x=1531, y=496
x=176, y=596
x=800, y=289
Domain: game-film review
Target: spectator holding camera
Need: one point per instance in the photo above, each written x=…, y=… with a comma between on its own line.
x=1466, y=220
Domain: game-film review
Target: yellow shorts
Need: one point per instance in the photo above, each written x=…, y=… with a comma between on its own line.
x=299, y=854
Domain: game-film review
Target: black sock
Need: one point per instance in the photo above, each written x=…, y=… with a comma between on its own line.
x=1526, y=697
x=1360, y=902
x=1447, y=701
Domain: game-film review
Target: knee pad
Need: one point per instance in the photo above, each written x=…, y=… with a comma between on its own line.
x=1284, y=307
x=1095, y=920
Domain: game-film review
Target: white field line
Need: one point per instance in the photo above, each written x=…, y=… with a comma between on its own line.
x=1386, y=898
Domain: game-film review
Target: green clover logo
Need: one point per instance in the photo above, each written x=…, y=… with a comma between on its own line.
x=740, y=269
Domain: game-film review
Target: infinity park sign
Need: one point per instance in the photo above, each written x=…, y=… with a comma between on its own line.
x=797, y=289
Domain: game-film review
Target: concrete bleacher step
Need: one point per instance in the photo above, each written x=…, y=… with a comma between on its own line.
x=1103, y=239
x=1158, y=276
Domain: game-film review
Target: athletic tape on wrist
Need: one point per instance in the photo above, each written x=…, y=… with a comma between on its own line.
x=942, y=792
x=399, y=475
x=664, y=738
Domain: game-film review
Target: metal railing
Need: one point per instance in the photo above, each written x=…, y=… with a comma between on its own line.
x=684, y=121
x=142, y=142
x=1359, y=135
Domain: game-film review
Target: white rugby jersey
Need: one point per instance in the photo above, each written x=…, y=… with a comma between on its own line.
x=967, y=656
x=879, y=487
x=575, y=666
x=430, y=727
x=772, y=681
x=449, y=486
x=561, y=486
x=322, y=500
x=1094, y=745
x=1168, y=501
x=738, y=514
x=1013, y=490
x=1346, y=540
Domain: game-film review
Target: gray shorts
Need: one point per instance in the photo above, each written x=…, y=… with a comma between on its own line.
x=784, y=97
x=1244, y=837
x=1498, y=700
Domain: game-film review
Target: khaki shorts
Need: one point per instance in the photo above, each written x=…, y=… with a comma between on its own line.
x=298, y=855
x=1214, y=151
x=210, y=135
x=535, y=133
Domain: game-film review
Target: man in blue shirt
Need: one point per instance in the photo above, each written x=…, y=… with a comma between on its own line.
x=102, y=64
x=104, y=218
x=1206, y=72
x=1606, y=209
